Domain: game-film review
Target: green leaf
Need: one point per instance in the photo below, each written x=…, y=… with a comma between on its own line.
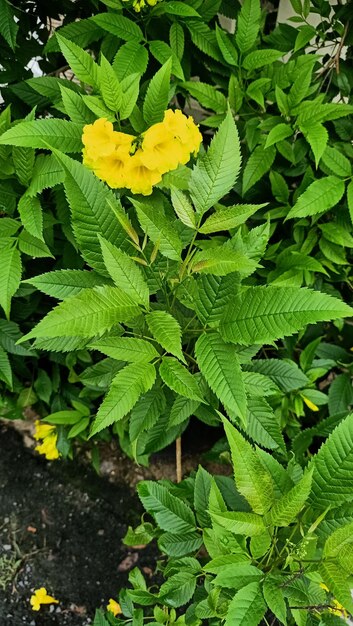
x=277, y=133
x=321, y=195
x=129, y=349
x=5, y=366
x=146, y=412
x=204, y=39
x=350, y=199
x=130, y=87
x=213, y=294
x=178, y=589
x=336, y=580
x=262, y=425
x=317, y=137
x=170, y=513
x=177, y=545
x=23, y=160
x=8, y=26
x=240, y=523
x=337, y=234
x=259, y=162
x=33, y=246
x=47, y=172
x=251, y=478
x=181, y=410
x=248, y=24
x=44, y=133
x=247, y=607
x=228, y=50
x=179, y=379
x=160, y=230
x=124, y=272
x=157, y=95
x=286, y=374
x=339, y=538
x=183, y=207
x=87, y=314
x=162, y=52
x=80, y=61
x=166, y=330
x=119, y=25
x=260, y=58
x=285, y=510
x=334, y=460
x=216, y=172
x=131, y=58
x=93, y=208
x=264, y=314
x=219, y=365
x=10, y=276
x=203, y=481
x=126, y=388
x=177, y=39
x=273, y=595
x=336, y=162
x=75, y=107
x=305, y=34
x=179, y=8
x=110, y=87
x=229, y=217
x=221, y=261
x=237, y=575
x=63, y=284
x=207, y=95
x=31, y=215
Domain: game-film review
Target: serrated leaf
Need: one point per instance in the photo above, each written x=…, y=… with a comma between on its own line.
x=227, y=48
x=75, y=107
x=159, y=229
x=237, y=575
x=166, y=330
x=335, y=579
x=10, y=276
x=204, y=39
x=119, y=25
x=47, y=172
x=92, y=209
x=170, y=512
x=157, y=95
x=216, y=172
x=63, y=284
x=260, y=58
x=263, y=426
x=183, y=207
x=181, y=410
x=219, y=365
x=177, y=545
x=248, y=24
x=33, y=246
x=259, y=162
x=321, y=195
x=339, y=538
x=129, y=349
x=286, y=374
x=273, y=595
x=207, y=95
x=178, y=589
x=221, y=261
x=146, y=412
x=229, y=217
x=350, y=199
x=213, y=294
x=80, y=61
x=162, y=52
x=335, y=161
x=110, y=87
x=264, y=314
x=87, y=314
x=8, y=25
x=278, y=133
x=317, y=137
x=334, y=460
x=285, y=510
x=44, y=133
x=131, y=58
x=239, y=523
x=5, y=365
x=124, y=272
x=179, y=379
x=126, y=388
x=247, y=607
x=251, y=478
x=31, y=215
x=23, y=160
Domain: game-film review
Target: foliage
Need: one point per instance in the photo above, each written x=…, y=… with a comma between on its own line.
x=219, y=297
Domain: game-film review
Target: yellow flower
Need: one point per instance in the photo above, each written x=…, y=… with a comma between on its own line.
x=138, y=5
x=42, y=430
x=138, y=177
x=185, y=130
x=40, y=597
x=99, y=138
x=160, y=151
x=337, y=608
x=310, y=404
x=114, y=607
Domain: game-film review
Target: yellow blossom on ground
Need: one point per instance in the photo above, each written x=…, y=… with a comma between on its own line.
x=310, y=404
x=114, y=607
x=98, y=138
x=160, y=151
x=49, y=437
x=40, y=597
x=139, y=178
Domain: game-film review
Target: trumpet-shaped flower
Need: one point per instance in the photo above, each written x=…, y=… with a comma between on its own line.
x=114, y=607
x=49, y=437
x=42, y=430
x=139, y=178
x=98, y=138
x=40, y=597
x=160, y=151
x=185, y=130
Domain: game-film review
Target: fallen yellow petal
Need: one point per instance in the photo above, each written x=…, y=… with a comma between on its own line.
x=40, y=597
x=114, y=607
x=310, y=404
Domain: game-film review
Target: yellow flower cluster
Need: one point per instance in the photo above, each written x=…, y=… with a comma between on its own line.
x=40, y=597
x=337, y=608
x=49, y=438
x=137, y=5
x=138, y=163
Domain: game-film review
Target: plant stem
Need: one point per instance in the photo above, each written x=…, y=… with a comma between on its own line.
x=179, y=471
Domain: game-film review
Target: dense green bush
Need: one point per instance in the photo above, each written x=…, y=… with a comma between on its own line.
x=211, y=297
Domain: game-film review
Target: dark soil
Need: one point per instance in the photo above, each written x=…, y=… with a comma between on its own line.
x=61, y=528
